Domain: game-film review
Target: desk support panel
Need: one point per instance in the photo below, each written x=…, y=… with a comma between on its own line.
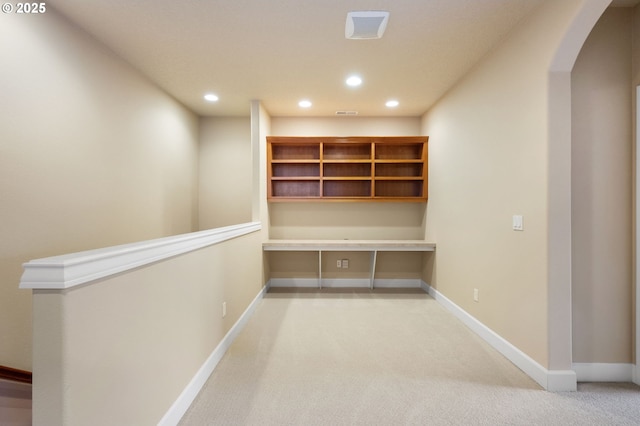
x=371, y=246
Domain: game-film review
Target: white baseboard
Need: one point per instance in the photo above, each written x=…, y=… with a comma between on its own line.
x=293, y=282
x=344, y=283
x=397, y=283
x=551, y=380
x=604, y=372
x=186, y=398
x=560, y=380
x=636, y=374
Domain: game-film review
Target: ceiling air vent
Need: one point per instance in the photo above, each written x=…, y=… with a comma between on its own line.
x=366, y=24
x=346, y=112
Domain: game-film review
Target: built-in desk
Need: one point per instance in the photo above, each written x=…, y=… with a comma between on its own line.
x=372, y=246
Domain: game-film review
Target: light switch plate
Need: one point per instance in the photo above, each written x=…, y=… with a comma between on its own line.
x=518, y=224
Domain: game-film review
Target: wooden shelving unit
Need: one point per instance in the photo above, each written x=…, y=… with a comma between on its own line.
x=347, y=168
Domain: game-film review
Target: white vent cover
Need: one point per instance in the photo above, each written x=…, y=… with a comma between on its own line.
x=366, y=24
x=346, y=112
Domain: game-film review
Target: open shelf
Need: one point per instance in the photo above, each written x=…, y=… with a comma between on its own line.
x=295, y=152
x=295, y=188
x=295, y=169
x=398, y=169
x=347, y=168
x=398, y=151
x=346, y=151
x=346, y=188
x=398, y=188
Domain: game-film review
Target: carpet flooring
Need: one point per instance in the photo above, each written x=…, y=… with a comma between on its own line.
x=383, y=357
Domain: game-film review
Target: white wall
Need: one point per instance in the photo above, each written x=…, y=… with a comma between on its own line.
x=489, y=148
x=225, y=171
x=601, y=167
x=345, y=126
x=91, y=154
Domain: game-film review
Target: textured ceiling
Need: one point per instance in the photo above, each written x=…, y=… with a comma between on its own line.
x=281, y=51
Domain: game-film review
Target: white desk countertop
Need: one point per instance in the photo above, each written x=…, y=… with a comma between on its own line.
x=348, y=245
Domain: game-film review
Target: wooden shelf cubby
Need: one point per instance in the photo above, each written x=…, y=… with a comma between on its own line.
x=359, y=168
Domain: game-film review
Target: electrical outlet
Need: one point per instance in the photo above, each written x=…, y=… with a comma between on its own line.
x=224, y=309
x=476, y=295
x=345, y=263
x=339, y=264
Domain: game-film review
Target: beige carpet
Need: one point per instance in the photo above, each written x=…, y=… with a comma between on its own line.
x=347, y=357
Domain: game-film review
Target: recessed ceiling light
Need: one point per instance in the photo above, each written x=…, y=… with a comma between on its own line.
x=304, y=103
x=210, y=97
x=392, y=103
x=354, y=80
